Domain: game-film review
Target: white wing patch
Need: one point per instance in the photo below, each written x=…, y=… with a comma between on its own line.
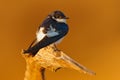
x=52, y=32
x=40, y=35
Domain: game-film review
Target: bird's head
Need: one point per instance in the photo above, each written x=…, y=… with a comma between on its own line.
x=59, y=16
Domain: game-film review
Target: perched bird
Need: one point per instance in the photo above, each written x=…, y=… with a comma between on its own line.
x=51, y=31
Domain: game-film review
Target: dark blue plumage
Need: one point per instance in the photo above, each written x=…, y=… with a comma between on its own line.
x=61, y=28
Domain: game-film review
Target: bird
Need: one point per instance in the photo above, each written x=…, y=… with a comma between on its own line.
x=52, y=30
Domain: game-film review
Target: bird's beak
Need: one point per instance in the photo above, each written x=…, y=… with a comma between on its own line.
x=66, y=18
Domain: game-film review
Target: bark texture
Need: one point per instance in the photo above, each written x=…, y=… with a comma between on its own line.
x=52, y=59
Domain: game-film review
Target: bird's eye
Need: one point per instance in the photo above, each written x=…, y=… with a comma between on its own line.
x=60, y=17
x=57, y=16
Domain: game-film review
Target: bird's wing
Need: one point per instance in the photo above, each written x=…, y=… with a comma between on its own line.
x=41, y=36
x=43, y=32
x=48, y=36
x=52, y=32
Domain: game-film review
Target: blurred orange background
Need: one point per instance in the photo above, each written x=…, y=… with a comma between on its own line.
x=93, y=39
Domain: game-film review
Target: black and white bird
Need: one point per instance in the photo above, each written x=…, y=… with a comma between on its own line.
x=51, y=31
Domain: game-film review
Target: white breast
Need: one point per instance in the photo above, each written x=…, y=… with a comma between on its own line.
x=57, y=42
x=61, y=20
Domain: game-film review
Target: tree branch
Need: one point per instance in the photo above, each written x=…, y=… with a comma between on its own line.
x=52, y=59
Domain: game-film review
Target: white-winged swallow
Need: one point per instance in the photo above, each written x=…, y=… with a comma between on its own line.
x=51, y=31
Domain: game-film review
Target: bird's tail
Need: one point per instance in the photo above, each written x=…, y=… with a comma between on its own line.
x=27, y=51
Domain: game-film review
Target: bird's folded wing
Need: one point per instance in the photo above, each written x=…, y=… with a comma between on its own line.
x=52, y=32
